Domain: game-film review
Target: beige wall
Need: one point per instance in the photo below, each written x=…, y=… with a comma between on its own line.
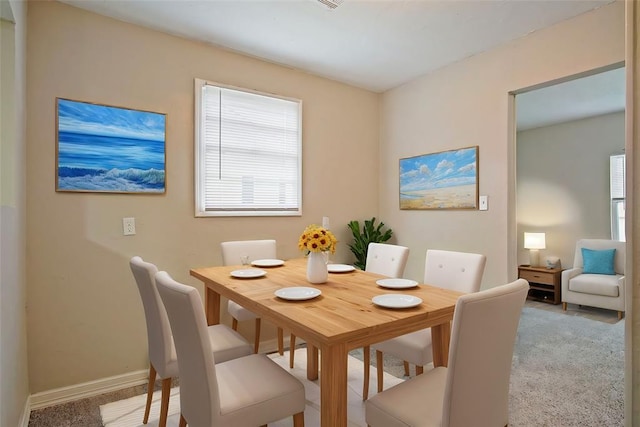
x=563, y=183
x=85, y=317
x=14, y=385
x=467, y=104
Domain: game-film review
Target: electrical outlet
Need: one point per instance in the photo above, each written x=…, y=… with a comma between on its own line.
x=484, y=203
x=129, y=226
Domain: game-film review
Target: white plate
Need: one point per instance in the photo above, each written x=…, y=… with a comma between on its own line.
x=397, y=283
x=248, y=273
x=267, y=262
x=396, y=301
x=298, y=293
x=340, y=268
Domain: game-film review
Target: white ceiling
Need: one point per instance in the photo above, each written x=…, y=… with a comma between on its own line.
x=601, y=93
x=372, y=44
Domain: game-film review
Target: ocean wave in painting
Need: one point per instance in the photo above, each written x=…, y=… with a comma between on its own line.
x=127, y=180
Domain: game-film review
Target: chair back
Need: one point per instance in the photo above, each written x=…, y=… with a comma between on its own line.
x=159, y=337
x=481, y=350
x=199, y=395
x=600, y=244
x=254, y=249
x=458, y=271
x=388, y=260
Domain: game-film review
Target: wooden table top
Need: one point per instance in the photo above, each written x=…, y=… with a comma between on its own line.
x=343, y=313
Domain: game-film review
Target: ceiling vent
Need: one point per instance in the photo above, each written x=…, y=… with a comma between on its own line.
x=331, y=4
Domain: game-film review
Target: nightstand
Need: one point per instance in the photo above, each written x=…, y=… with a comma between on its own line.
x=544, y=283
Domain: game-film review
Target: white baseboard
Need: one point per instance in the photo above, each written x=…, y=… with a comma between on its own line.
x=26, y=413
x=88, y=389
x=93, y=388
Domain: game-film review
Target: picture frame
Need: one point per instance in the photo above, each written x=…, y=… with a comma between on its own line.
x=106, y=149
x=442, y=180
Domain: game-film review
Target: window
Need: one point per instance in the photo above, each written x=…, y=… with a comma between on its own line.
x=617, y=190
x=248, y=153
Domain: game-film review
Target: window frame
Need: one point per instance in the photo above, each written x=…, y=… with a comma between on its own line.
x=200, y=166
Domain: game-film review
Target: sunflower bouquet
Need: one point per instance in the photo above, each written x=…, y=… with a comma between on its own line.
x=317, y=239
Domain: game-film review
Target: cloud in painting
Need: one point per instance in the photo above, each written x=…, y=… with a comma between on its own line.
x=445, y=169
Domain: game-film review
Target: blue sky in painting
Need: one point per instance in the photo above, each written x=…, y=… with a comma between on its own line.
x=439, y=170
x=91, y=119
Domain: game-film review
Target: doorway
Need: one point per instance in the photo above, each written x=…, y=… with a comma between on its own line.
x=563, y=130
x=561, y=167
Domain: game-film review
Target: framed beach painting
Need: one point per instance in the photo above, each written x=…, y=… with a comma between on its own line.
x=444, y=180
x=101, y=148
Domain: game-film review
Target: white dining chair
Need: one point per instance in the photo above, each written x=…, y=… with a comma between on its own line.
x=458, y=271
x=387, y=260
x=226, y=344
x=232, y=253
x=248, y=391
x=382, y=258
x=474, y=389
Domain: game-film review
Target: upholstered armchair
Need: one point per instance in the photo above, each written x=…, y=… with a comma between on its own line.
x=597, y=276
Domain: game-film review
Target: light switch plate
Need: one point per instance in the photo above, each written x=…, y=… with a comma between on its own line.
x=484, y=203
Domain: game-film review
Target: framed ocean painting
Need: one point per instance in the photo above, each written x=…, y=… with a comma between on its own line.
x=101, y=148
x=444, y=180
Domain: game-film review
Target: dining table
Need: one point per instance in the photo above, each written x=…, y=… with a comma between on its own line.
x=339, y=318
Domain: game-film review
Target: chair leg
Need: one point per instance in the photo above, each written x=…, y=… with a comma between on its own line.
x=256, y=345
x=367, y=362
x=564, y=306
x=298, y=419
x=280, y=341
x=406, y=369
x=234, y=324
x=164, y=402
x=292, y=349
x=152, y=380
x=183, y=422
x=419, y=370
x=380, y=370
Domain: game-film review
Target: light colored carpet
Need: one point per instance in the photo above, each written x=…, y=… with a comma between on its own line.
x=129, y=412
x=567, y=371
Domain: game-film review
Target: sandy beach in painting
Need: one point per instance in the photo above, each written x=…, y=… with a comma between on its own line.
x=461, y=197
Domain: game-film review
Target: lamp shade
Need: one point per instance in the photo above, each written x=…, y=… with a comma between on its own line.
x=534, y=241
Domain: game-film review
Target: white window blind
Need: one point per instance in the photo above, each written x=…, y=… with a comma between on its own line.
x=617, y=165
x=248, y=153
x=616, y=169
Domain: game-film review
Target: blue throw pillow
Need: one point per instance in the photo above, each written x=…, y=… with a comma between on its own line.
x=598, y=262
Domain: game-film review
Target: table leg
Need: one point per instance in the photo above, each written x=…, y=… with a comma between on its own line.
x=440, y=335
x=333, y=386
x=312, y=362
x=212, y=306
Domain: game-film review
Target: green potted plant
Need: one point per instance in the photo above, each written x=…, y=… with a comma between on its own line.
x=370, y=233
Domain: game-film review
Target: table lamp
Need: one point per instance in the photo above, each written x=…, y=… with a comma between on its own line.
x=534, y=242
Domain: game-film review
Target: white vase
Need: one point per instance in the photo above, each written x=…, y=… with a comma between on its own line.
x=317, y=268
